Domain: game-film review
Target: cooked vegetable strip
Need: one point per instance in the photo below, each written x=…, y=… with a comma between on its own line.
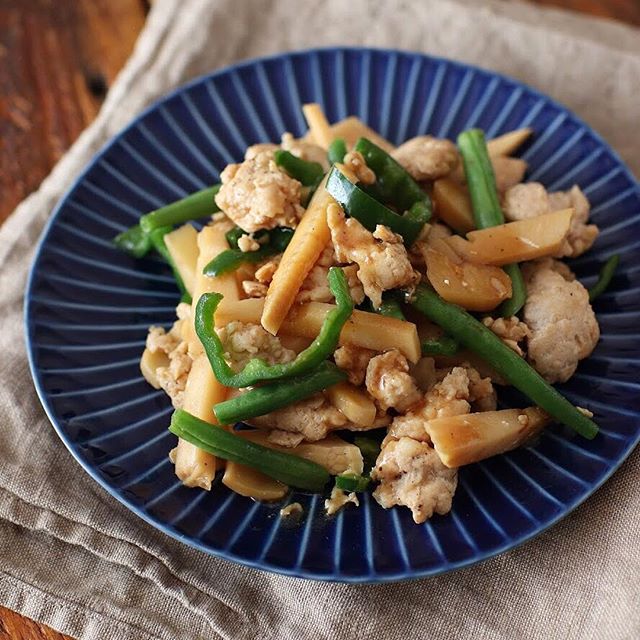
x=452, y=205
x=257, y=370
x=604, y=279
x=318, y=125
x=337, y=151
x=352, y=482
x=516, y=241
x=471, y=333
x=393, y=183
x=195, y=467
x=197, y=205
x=231, y=259
x=182, y=245
x=133, y=241
x=276, y=395
x=251, y=483
x=370, y=213
x=351, y=129
x=363, y=329
x=305, y=172
x=354, y=403
x=481, y=181
x=157, y=240
x=390, y=308
x=518, y=297
x=369, y=448
x=464, y=439
x=308, y=242
x=444, y=346
x=233, y=235
x=507, y=143
x=288, y=469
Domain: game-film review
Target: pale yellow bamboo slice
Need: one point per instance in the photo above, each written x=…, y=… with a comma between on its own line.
x=182, y=244
x=354, y=403
x=507, y=143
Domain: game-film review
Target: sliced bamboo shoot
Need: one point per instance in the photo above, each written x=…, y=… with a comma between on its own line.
x=452, y=205
x=507, y=143
x=333, y=453
x=515, y=241
x=182, y=244
x=354, y=403
x=363, y=329
x=195, y=467
x=252, y=484
x=150, y=362
x=350, y=130
x=318, y=125
x=308, y=242
x=464, y=439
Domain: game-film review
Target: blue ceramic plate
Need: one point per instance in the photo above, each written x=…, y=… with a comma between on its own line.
x=88, y=307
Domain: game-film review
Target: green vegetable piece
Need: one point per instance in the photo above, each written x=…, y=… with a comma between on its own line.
x=337, y=151
x=369, y=448
x=279, y=394
x=292, y=470
x=197, y=205
x=133, y=241
x=305, y=172
x=157, y=240
x=233, y=235
x=352, y=482
x=394, y=185
x=604, y=279
x=370, y=213
x=487, y=212
x=443, y=346
x=471, y=333
x=257, y=370
x=390, y=307
x=231, y=259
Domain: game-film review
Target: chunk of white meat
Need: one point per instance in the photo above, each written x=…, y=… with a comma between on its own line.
x=410, y=473
x=256, y=194
x=312, y=419
x=388, y=381
x=512, y=331
x=355, y=161
x=339, y=499
x=427, y=158
x=245, y=341
x=381, y=257
x=563, y=326
x=531, y=199
x=354, y=361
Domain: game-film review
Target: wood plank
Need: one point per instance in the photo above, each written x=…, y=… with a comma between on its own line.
x=623, y=10
x=15, y=627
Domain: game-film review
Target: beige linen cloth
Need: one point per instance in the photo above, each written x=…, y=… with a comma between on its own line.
x=74, y=558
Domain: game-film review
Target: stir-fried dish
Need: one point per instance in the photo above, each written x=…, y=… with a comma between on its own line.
x=350, y=311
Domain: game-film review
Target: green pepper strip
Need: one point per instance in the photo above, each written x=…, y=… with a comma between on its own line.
x=443, y=346
x=481, y=181
x=370, y=213
x=305, y=172
x=157, y=240
x=604, y=280
x=133, y=241
x=369, y=448
x=257, y=369
x=197, y=205
x=271, y=397
x=393, y=183
x=352, y=482
x=390, y=308
x=475, y=336
x=231, y=259
x=284, y=467
x=337, y=151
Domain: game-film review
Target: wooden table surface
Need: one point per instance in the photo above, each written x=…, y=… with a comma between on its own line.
x=58, y=59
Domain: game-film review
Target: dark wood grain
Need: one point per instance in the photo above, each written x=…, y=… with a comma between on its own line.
x=57, y=60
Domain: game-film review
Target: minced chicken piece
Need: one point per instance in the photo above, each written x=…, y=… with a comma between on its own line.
x=313, y=418
x=410, y=473
x=338, y=500
x=389, y=382
x=247, y=243
x=293, y=509
x=511, y=331
x=526, y=200
x=243, y=341
x=564, y=329
x=264, y=274
x=355, y=161
x=256, y=194
x=254, y=289
x=353, y=360
x=382, y=264
x=261, y=147
x=427, y=158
